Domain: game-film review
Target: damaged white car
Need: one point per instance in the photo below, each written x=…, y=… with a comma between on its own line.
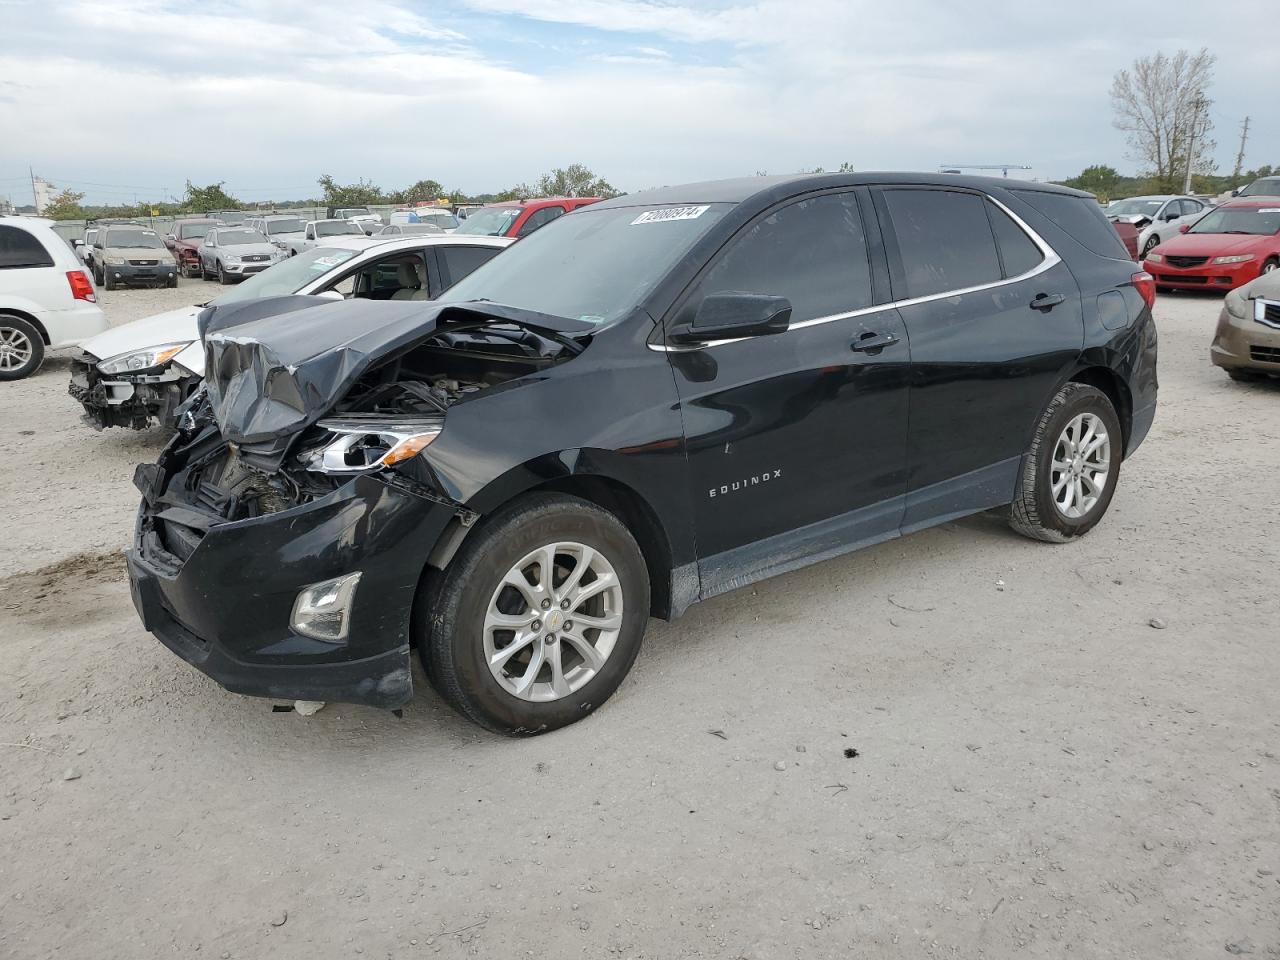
x=137, y=374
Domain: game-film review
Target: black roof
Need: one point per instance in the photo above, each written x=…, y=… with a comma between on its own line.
x=744, y=188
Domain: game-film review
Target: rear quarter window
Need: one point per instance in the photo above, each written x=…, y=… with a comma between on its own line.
x=1082, y=218
x=461, y=260
x=20, y=249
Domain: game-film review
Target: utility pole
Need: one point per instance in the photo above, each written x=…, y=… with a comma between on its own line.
x=1199, y=110
x=1244, y=137
x=35, y=197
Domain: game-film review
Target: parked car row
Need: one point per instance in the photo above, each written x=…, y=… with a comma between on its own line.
x=139, y=373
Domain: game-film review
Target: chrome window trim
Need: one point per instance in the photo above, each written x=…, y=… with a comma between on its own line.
x=1051, y=260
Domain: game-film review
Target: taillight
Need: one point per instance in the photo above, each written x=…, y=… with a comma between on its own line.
x=1145, y=284
x=81, y=286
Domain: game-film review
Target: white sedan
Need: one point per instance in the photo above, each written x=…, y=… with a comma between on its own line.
x=140, y=373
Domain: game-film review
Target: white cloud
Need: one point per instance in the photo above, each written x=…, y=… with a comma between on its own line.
x=268, y=96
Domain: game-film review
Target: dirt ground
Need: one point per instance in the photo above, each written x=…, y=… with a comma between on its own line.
x=1040, y=771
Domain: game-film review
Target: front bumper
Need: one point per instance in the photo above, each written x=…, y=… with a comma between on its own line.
x=226, y=607
x=244, y=269
x=1252, y=343
x=133, y=400
x=161, y=270
x=1205, y=276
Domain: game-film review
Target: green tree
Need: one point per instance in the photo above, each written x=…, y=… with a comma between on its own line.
x=65, y=206
x=1099, y=178
x=422, y=190
x=212, y=197
x=358, y=194
x=574, y=180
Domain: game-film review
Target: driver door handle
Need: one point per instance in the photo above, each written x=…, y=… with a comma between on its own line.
x=873, y=342
x=1047, y=301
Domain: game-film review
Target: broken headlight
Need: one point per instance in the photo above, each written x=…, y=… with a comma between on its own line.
x=361, y=444
x=143, y=359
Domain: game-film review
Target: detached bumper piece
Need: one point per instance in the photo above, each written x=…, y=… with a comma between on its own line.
x=224, y=594
x=133, y=401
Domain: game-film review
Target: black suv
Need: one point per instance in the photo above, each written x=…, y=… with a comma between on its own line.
x=652, y=401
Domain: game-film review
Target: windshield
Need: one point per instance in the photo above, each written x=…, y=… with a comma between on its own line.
x=148, y=239
x=490, y=221
x=595, y=265
x=1262, y=188
x=1133, y=208
x=288, y=276
x=1260, y=221
x=231, y=219
x=334, y=228
x=228, y=238
x=190, y=231
x=292, y=225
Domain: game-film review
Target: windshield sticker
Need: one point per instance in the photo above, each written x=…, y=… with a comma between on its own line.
x=670, y=213
x=1269, y=210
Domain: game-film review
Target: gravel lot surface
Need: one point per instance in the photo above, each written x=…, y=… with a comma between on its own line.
x=1061, y=750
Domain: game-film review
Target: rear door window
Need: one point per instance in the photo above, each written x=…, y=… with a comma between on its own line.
x=461, y=260
x=1082, y=218
x=539, y=218
x=945, y=240
x=20, y=249
x=813, y=252
x=1018, y=252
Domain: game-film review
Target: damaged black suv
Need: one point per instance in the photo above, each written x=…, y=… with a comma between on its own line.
x=652, y=401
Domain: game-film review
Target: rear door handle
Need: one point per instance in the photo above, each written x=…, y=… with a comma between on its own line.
x=873, y=342
x=1047, y=301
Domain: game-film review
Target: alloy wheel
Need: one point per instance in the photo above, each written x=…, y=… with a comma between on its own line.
x=1081, y=465
x=553, y=621
x=1150, y=245
x=16, y=349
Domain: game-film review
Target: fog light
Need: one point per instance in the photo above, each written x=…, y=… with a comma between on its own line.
x=323, y=610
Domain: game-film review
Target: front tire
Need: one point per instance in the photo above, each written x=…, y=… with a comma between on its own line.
x=538, y=618
x=222, y=275
x=1149, y=246
x=1241, y=375
x=21, y=348
x=1069, y=475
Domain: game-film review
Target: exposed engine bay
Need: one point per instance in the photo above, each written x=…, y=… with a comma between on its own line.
x=386, y=417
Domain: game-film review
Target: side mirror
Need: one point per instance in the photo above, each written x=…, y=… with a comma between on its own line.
x=1170, y=215
x=1184, y=228
x=170, y=236
x=329, y=295
x=1235, y=192
x=728, y=316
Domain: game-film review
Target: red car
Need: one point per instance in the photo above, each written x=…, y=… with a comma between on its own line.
x=1227, y=247
x=184, y=243
x=519, y=218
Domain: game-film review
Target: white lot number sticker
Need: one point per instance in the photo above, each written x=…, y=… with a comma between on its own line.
x=670, y=213
x=1270, y=210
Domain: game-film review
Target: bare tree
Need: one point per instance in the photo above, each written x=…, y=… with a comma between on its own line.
x=1161, y=104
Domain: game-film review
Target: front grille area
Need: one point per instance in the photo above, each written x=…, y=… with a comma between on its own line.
x=1183, y=262
x=255, y=258
x=1270, y=314
x=1265, y=354
x=145, y=263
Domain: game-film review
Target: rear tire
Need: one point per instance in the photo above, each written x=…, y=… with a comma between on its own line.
x=1067, y=481
x=523, y=694
x=21, y=347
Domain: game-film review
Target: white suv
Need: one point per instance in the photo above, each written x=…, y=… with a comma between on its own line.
x=46, y=297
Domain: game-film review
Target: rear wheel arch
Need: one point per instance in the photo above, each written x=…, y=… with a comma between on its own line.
x=1117, y=391
x=30, y=318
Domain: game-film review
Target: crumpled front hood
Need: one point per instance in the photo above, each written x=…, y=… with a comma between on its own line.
x=273, y=367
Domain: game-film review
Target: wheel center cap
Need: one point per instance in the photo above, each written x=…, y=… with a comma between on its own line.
x=554, y=621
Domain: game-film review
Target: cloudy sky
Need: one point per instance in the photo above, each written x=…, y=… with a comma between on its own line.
x=124, y=97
